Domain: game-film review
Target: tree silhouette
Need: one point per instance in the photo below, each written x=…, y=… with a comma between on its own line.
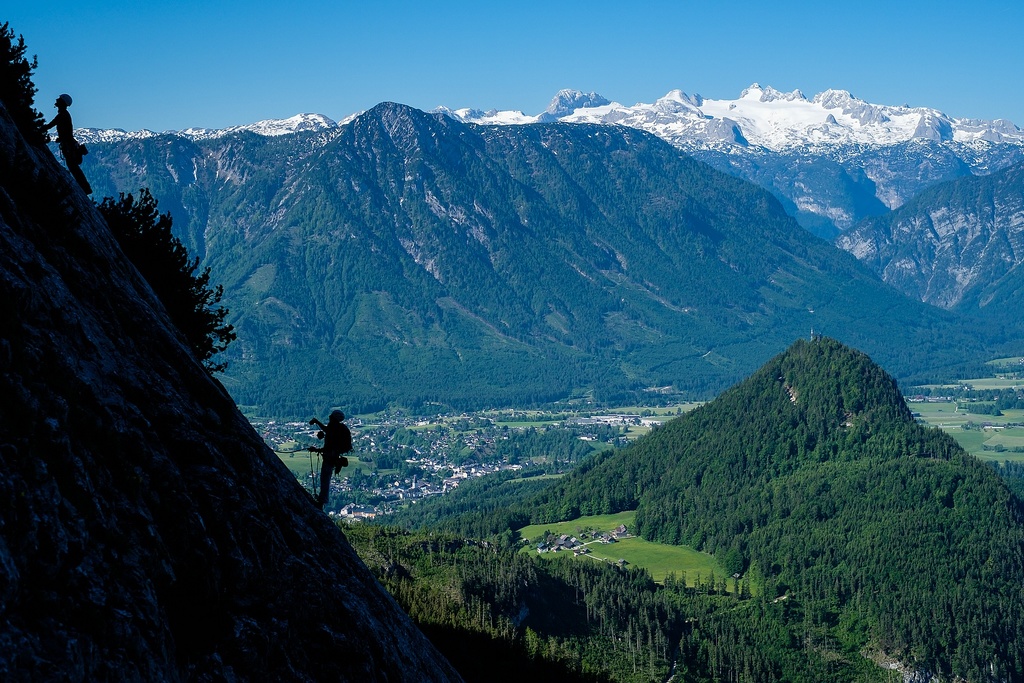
x=17, y=92
x=145, y=236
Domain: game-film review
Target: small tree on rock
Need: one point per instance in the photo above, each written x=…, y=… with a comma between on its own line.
x=145, y=236
x=17, y=91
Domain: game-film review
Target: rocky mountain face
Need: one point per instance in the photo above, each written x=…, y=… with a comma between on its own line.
x=959, y=245
x=146, y=532
x=832, y=159
x=409, y=257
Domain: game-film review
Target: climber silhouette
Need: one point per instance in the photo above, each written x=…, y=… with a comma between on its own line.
x=69, y=147
x=337, y=441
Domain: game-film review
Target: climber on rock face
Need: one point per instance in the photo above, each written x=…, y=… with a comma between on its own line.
x=69, y=147
x=337, y=441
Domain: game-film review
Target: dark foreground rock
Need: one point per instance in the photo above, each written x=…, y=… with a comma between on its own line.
x=146, y=532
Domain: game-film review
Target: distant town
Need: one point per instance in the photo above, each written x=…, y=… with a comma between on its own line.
x=398, y=459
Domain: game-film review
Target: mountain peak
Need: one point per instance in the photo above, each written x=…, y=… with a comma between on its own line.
x=814, y=465
x=830, y=378
x=767, y=118
x=835, y=99
x=567, y=101
x=770, y=94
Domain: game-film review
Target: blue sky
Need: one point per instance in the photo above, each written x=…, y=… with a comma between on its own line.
x=171, y=65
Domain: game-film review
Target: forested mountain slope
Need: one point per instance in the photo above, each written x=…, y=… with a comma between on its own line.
x=412, y=258
x=813, y=478
x=959, y=245
x=146, y=531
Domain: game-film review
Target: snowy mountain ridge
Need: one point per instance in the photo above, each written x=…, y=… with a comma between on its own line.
x=832, y=159
x=760, y=117
x=764, y=117
x=269, y=128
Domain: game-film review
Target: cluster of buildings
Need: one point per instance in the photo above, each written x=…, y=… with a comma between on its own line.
x=578, y=546
x=617, y=420
x=403, y=459
x=390, y=492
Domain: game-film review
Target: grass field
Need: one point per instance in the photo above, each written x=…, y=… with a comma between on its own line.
x=951, y=420
x=1012, y=363
x=656, y=558
x=298, y=463
x=1009, y=438
x=994, y=383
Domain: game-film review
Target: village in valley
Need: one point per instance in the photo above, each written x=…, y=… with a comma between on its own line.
x=398, y=459
x=554, y=543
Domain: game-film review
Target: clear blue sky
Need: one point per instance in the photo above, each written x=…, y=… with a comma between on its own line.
x=170, y=65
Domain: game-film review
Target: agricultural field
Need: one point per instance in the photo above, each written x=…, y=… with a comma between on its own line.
x=988, y=437
x=299, y=464
x=657, y=558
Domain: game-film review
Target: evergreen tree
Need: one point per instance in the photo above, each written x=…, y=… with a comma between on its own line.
x=145, y=236
x=17, y=92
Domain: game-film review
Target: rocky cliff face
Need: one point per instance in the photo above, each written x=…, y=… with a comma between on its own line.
x=146, y=532
x=959, y=245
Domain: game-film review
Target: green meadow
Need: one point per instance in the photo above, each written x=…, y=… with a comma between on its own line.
x=298, y=463
x=985, y=436
x=658, y=559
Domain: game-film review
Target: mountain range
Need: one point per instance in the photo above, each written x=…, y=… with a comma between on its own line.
x=410, y=257
x=832, y=159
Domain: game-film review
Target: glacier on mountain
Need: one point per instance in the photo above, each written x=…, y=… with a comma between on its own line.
x=764, y=117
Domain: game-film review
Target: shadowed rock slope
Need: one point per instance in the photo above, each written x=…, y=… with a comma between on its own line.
x=959, y=245
x=146, y=532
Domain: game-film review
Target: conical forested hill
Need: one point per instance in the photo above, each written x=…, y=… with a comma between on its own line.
x=813, y=478
x=408, y=257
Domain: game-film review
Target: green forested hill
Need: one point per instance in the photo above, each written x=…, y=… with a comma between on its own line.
x=406, y=257
x=813, y=478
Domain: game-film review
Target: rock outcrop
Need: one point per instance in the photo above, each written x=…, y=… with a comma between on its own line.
x=146, y=532
x=959, y=245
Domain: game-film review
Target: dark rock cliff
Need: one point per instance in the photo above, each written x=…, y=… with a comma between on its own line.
x=146, y=532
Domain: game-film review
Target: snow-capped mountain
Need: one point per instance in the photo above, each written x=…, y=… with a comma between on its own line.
x=270, y=128
x=765, y=117
x=832, y=160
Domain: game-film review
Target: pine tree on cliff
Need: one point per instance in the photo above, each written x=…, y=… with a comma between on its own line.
x=17, y=92
x=145, y=236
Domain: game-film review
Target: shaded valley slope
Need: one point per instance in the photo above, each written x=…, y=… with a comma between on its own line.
x=958, y=245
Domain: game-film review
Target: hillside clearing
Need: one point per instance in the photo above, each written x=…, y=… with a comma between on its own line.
x=657, y=558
